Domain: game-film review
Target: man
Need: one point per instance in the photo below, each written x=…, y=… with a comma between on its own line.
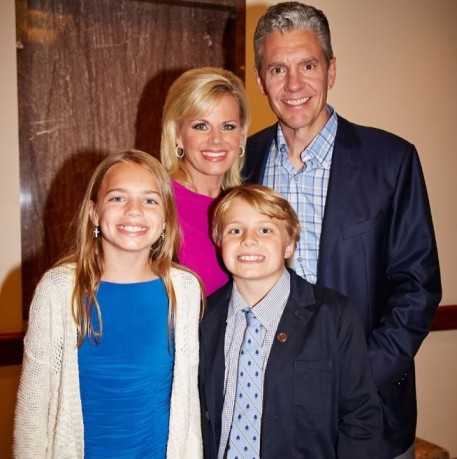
x=362, y=202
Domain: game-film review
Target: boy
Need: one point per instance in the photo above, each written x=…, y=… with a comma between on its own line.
x=310, y=394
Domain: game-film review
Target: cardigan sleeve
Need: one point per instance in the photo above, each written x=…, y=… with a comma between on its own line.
x=185, y=440
x=42, y=348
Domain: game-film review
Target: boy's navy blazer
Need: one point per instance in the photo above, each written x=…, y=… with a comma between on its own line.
x=377, y=247
x=318, y=389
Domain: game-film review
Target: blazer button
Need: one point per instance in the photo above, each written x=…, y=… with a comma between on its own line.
x=207, y=415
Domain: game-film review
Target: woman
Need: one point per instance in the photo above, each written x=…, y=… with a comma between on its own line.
x=204, y=126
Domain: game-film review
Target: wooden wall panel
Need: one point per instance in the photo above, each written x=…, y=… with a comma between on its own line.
x=92, y=78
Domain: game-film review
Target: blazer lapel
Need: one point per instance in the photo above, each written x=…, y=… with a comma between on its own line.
x=345, y=171
x=257, y=152
x=291, y=328
x=212, y=335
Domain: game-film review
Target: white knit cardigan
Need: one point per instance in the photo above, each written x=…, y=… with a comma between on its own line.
x=48, y=421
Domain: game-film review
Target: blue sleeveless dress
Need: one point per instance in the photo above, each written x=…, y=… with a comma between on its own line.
x=126, y=378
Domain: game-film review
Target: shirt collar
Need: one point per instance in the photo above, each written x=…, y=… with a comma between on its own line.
x=320, y=148
x=266, y=309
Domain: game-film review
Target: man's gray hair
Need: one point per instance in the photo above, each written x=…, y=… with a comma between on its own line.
x=289, y=16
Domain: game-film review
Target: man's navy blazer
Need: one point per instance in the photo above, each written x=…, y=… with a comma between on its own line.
x=319, y=396
x=377, y=247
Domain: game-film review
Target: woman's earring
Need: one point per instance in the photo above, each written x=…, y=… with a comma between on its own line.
x=179, y=152
x=241, y=151
x=97, y=231
x=162, y=235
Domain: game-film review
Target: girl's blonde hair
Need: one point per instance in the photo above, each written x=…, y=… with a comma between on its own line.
x=265, y=201
x=87, y=251
x=193, y=93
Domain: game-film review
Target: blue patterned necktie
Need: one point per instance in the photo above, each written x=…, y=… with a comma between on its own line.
x=244, y=440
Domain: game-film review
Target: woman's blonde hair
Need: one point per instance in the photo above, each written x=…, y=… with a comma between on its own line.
x=193, y=93
x=87, y=251
x=265, y=201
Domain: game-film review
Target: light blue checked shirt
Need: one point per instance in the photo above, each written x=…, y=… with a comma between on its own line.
x=306, y=190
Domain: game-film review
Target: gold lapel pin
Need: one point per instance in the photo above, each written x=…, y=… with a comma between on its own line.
x=282, y=337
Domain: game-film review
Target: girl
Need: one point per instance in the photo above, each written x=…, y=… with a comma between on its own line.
x=204, y=126
x=112, y=341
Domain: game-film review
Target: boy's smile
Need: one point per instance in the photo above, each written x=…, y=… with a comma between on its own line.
x=254, y=245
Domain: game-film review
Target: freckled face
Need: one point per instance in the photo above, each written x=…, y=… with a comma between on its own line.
x=296, y=79
x=253, y=245
x=211, y=142
x=129, y=210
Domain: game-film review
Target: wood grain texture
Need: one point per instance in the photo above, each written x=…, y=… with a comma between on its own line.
x=92, y=79
x=445, y=318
